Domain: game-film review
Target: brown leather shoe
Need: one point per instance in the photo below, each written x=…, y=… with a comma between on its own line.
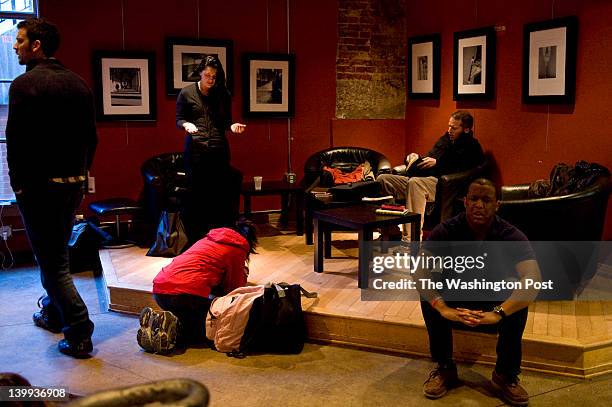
x=440, y=380
x=510, y=389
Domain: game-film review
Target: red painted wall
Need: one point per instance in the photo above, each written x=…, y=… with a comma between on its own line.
x=526, y=140
x=254, y=26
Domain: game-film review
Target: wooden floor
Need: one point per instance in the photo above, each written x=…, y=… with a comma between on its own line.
x=564, y=337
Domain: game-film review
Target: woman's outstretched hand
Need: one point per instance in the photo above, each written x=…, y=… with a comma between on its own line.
x=238, y=128
x=190, y=127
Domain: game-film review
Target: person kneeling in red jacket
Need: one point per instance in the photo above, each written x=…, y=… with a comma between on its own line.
x=184, y=289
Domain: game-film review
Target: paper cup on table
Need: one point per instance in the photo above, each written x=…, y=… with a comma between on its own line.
x=257, y=181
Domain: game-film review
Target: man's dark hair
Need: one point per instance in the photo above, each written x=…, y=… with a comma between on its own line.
x=487, y=182
x=247, y=229
x=466, y=118
x=43, y=31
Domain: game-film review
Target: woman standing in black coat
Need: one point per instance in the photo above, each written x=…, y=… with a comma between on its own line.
x=203, y=110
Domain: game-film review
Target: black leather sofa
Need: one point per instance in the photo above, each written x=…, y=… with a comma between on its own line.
x=345, y=159
x=574, y=217
x=564, y=230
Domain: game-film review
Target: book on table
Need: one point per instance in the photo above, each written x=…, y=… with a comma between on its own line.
x=321, y=193
x=391, y=212
x=393, y=207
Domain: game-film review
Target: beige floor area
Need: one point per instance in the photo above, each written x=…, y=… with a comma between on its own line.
x=319, y=376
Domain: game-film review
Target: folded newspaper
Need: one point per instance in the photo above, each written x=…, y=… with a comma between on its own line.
x=388, y=198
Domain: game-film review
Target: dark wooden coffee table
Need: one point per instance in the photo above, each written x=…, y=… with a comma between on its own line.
x=285, y=190
x=364, y=220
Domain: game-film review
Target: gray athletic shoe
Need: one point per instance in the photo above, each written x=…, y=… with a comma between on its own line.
x=145, y=332
x=165, y=328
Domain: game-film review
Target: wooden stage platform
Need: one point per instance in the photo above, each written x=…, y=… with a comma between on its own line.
x=566, y=337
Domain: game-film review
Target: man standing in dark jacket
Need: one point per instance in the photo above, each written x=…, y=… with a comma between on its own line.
x=457, y=150
x=51, y=139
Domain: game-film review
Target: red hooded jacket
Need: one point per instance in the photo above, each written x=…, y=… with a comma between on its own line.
x=218, y=258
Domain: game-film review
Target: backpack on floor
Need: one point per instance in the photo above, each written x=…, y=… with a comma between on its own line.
x=228, y=316
x=258, y=319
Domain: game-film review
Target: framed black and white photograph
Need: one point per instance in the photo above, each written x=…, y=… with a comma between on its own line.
x=269, y=85
x=474, y=64
x=549, y=61
x=125, y=85
x=424, y=67
x=183, y=55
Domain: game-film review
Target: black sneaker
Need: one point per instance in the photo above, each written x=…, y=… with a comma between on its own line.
x=77, y=349
x=145, y=332
x=42, y=320
x=164, y=328
x=440, y=380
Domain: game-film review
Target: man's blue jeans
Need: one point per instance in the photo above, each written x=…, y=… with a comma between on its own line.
x=48, y=213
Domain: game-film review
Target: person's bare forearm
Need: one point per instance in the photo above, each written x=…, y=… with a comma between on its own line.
x=521, y=298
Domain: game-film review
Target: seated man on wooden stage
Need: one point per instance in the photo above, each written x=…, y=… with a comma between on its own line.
x=503, y=313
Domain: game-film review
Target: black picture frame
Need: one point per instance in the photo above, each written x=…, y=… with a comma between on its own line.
x=424, y=67
x=125, y=85
x=184, y=54
x=474, y=64
x=274, y=71
x=549, y=61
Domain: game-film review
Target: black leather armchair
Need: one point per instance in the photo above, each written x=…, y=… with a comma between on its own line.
x=449, y=191
x=573, y=217
x=345, y=159
x=569, y=227
x=165, y=184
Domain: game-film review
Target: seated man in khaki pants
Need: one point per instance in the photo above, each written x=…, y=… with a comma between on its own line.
x=457, y=150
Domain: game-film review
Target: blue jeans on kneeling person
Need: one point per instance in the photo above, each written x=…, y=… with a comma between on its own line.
x=191, y=312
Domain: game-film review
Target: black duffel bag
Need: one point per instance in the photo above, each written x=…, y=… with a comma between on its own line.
x=171, y=239
x=276, y=321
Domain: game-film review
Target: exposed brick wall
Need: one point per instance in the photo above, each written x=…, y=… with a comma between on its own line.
x=371, y=59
